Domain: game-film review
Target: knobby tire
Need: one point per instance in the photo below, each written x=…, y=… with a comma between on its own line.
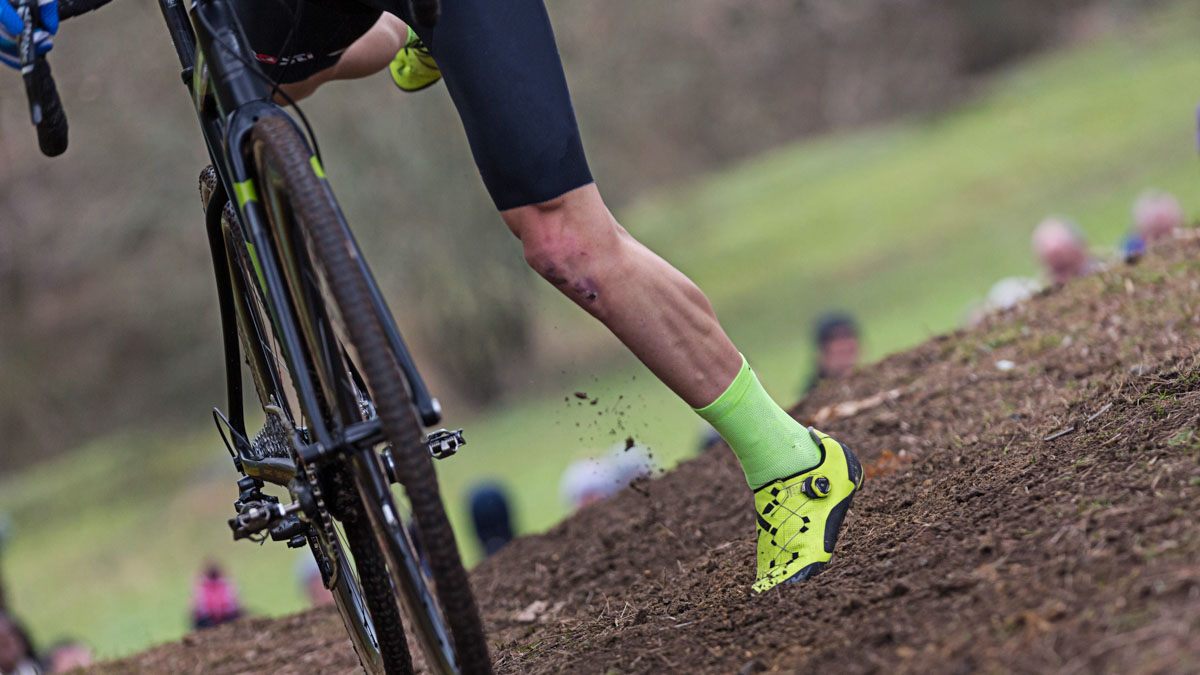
x=372, y=585
x=277, y=143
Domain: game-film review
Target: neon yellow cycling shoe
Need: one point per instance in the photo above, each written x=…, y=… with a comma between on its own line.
x=799, y=517
x=413, y=69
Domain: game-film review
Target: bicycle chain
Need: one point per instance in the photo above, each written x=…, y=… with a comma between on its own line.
x=270, y=445
x=334, y=550
x=267, y=443
x=368, y=411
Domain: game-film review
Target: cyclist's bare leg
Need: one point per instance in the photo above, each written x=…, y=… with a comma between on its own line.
x=577, y=245
x=368, y=55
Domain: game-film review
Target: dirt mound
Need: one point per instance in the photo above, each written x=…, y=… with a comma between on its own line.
x=1032, y=508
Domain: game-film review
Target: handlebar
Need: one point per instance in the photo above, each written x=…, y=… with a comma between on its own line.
x=45, y=107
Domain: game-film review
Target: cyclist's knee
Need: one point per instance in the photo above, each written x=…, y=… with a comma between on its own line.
x=553, y=247
x=564, y=238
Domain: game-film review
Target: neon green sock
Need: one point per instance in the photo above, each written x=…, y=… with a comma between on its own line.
x=767, y=441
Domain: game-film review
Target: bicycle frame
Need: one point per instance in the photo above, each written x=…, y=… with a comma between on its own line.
x=263, y=265
x=230, y=95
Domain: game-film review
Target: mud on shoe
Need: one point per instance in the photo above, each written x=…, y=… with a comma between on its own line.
x=799, y=517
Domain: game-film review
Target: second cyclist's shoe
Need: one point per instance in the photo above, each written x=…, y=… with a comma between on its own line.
x=799, y=517
x=414, y=69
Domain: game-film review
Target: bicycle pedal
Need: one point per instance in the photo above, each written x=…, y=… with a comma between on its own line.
x=255, y=517
x=444, y=443
x=288, y=528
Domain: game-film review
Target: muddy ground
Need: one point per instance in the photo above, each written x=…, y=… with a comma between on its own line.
x=1033, y=518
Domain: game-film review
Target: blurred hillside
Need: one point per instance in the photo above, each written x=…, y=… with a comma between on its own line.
x=107, y=317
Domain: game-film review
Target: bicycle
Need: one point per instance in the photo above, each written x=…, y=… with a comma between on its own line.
x=343, y=403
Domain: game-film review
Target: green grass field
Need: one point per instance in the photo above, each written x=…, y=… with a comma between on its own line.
x=905, y=225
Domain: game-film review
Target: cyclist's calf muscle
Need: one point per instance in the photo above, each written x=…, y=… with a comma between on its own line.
x=574, y=242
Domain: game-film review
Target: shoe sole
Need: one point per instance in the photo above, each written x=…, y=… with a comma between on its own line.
x=420, y=88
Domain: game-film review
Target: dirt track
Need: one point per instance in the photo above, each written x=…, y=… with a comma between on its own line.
x=976, y=546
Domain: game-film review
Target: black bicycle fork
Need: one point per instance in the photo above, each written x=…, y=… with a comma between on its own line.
x=230, y=96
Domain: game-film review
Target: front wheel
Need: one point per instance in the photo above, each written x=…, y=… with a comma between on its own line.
x=434, y=589
x=368, y=608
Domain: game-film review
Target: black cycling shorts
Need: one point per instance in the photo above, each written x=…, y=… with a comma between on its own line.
x=295, y=39
x=503, y=71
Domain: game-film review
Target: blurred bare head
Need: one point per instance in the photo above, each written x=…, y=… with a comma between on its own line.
x=1156, y=215
x=1060, y=249
x=837, y=344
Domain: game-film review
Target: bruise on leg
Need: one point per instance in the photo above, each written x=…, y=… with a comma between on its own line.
x=550, y=273
x=586, y=289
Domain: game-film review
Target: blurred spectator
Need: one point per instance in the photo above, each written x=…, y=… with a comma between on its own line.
x=1156, y=215
x=312, y=584
x=491, y=516
x=1132, y=248
x=16, y=651
x=214, y=599
x=597, y=478
x=587, y=481
x=1009, y=291
x=67, y=655
x=630, y=462
x=1003, y=294
x=837, y=348
x=1060, y=248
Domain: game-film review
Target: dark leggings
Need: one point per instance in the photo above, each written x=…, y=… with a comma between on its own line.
x=502, y=69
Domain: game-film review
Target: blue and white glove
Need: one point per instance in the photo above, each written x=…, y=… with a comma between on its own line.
x=11, y=26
